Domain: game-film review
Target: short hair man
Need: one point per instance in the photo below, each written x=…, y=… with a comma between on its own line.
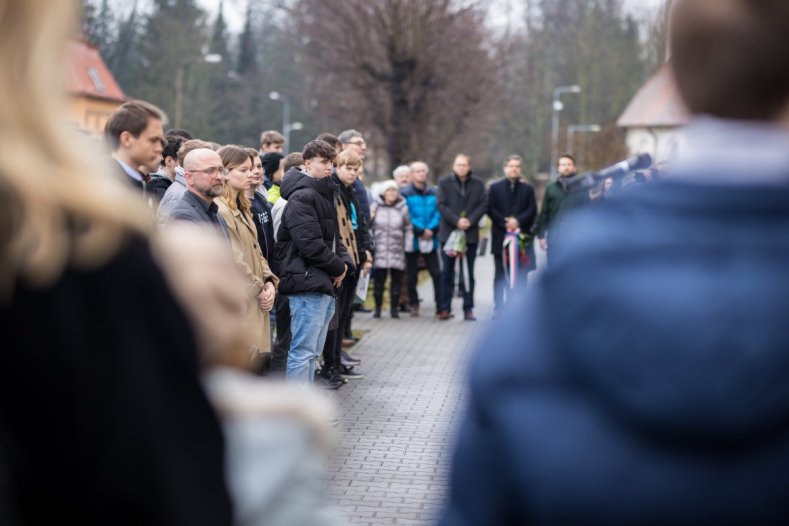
x=205, y=180
x=176, y=190
x=642, y=379
x=422, y=240
x=462, y=203
x=168, y=168
x=353, y=140
x=272, y=142
x=134, y=132
x=309, y=260
x=512, y=209
x=557, y=200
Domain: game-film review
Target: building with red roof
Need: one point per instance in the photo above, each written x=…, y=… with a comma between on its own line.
x=654, y=119
x=94, y=92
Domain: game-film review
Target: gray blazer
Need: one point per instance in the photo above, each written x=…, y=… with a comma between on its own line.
x=193, y=208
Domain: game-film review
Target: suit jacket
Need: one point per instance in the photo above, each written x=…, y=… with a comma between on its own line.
x=505, y=200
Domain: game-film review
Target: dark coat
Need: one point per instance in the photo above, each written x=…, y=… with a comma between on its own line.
x=103, y=419
x=309, y=252
x=193, y=209
x=158, y=186
x=555, y=203
x=261, y=214
x=510, y=200
x=363, y=198
x=456, y=200
x=650, y=385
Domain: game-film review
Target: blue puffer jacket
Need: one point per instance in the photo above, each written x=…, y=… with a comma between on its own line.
x=423, y=209
x=643, y=379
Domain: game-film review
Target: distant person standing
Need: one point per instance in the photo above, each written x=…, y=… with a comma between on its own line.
x=558, y=200
x=389, y=227
x=272, y=144
x=511, y=207
x=422, y=202
x=462, y=203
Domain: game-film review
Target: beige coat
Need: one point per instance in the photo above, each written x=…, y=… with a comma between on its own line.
x=243, y=236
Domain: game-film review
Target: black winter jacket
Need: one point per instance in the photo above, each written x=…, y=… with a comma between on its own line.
x=309, y=252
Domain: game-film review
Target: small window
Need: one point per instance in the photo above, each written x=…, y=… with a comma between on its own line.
x=96, y=79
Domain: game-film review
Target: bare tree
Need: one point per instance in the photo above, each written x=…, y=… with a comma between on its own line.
x=418, y=75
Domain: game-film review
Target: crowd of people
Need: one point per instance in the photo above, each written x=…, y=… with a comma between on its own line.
x=305, y=231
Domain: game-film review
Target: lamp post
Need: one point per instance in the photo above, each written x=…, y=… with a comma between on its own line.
x=558, y=106
x=579, y=128
x=287, y=126
x=211, y=58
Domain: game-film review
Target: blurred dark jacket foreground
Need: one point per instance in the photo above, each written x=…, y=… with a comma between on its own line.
x=102, y=416
x=649, y=384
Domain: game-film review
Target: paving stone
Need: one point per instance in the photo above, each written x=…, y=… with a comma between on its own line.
x=398, y=424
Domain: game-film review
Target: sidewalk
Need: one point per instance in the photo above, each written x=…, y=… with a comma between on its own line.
x=396, y=429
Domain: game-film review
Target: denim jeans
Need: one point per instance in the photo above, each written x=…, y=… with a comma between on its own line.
x=448, y=280
x=310, y=314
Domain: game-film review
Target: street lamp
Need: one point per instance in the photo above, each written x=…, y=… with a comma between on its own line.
x=210, y=58
x=287, y=126
x=558, y=106
x=579, y=128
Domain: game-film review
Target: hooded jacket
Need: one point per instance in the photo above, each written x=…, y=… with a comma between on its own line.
x=652, y=362
x=309, y=251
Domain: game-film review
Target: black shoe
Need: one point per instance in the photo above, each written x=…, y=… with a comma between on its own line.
x=395, y=314
x=359, y=307
x=333, y=375
x=377, y=313
x=326, y=383
x=349, y=360
x=349, y=373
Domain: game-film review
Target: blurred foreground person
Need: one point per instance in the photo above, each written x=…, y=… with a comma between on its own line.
x=651, y=380
x=102, y=416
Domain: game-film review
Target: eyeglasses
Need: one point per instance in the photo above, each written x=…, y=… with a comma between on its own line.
x=210, y=172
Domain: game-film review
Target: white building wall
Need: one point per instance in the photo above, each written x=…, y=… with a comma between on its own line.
x=660, y=143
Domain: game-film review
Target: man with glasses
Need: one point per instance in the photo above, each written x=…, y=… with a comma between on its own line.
x=353, y=140
x=205, y=180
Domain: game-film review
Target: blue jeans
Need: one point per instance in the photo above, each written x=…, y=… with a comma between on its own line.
x=310, y=314
x=448, y=280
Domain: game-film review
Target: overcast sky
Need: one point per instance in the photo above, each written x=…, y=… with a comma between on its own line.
x=234, y=9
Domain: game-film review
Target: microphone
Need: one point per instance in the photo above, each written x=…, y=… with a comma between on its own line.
x=588, y=180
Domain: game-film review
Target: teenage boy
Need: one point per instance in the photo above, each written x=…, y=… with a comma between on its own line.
x=310, y=258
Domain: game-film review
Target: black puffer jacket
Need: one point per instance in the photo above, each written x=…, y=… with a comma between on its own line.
x=309, y=252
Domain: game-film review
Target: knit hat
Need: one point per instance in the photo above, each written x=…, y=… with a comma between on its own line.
x=387, y=185
x=271, y=163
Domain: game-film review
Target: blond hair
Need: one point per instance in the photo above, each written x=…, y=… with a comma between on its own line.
x=348, y=158
x=58, y=205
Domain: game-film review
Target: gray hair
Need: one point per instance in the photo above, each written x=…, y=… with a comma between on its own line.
x=400, y=170
x=349, y=135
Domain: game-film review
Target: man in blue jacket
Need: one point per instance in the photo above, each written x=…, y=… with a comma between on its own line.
x=423, y=241
x=643, y=380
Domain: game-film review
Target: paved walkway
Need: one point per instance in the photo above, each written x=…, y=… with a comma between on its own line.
x=397, y=424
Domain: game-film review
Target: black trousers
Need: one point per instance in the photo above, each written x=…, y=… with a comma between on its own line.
x=448, y=280
x=333, y=346
x=394, y=286
x=500, y=288
x=433, y=267
x=279, y=351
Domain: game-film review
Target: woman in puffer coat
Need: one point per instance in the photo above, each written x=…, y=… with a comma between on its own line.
x=390, y=222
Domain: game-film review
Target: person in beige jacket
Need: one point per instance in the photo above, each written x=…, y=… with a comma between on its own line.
x=234, y=207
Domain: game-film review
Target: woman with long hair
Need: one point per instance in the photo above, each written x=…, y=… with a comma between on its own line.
x=235, y=208
x=102, y=416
